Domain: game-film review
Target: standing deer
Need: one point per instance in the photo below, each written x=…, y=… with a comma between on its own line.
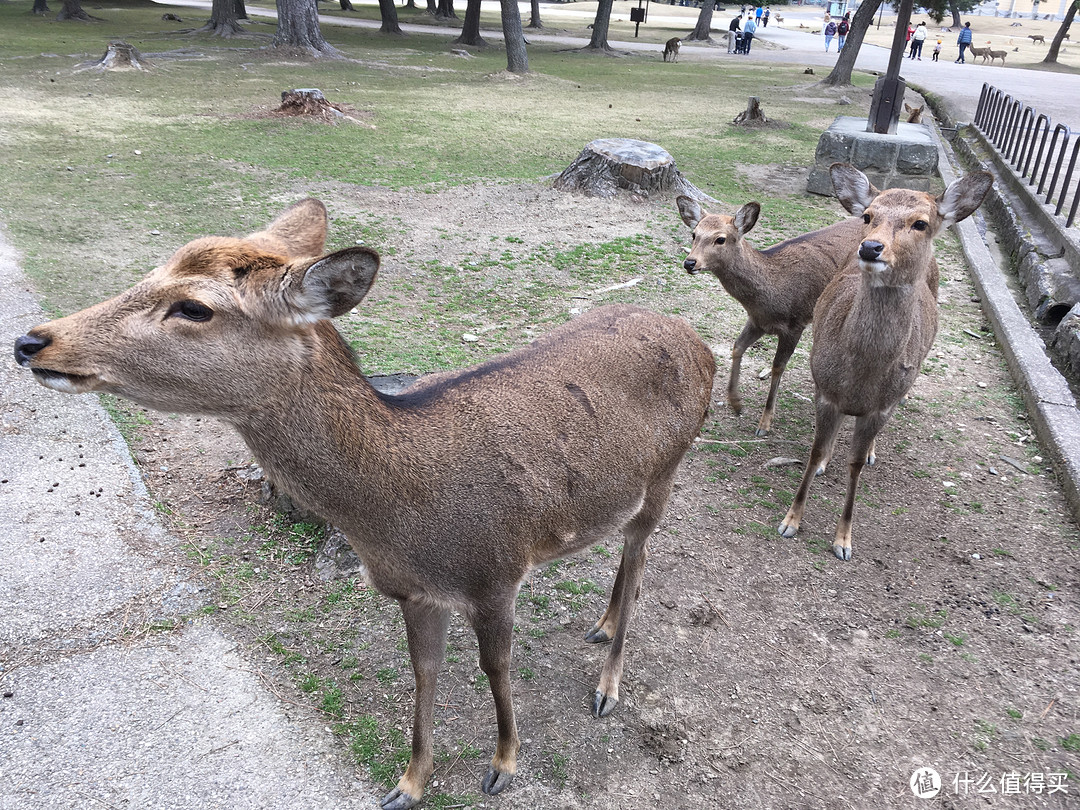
x=777, y=287
x=671, y=48
x=451, y=492
x=874, y=323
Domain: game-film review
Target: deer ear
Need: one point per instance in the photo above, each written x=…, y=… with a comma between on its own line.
x=332, y=285
x=963, y=196
x=852, y=188
x=689, y=210
x=746, y=217
x=299, y=231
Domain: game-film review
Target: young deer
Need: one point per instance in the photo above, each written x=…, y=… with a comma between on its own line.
x=777, y=287
x=874, y=324
x=671, y=48
x=451, y=492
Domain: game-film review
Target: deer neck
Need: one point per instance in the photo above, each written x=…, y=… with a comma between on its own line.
x=748, y=276
x=883, y=319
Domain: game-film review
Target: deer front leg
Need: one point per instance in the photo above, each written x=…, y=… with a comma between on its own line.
x=862, y=449
x=785, y=347
x=747, y=338
x=425, y=627
x=494, y=628
x=826, y=424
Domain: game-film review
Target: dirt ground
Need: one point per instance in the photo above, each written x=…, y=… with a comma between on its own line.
x=761, y=672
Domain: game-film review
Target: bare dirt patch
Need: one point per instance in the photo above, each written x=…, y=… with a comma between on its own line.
x=761, y=672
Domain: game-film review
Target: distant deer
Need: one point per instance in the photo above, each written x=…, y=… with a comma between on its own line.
x=451, y=492
x=1037, y=38
x=777, y=287
x=671, y=48
x=874, y=324
x=914, y=114
x=973, y=51
x=992, y=55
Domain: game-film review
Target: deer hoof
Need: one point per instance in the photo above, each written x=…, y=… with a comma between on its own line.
x=597, y=635
x=397, y=799
x=603, y=705
x=495, y=781
x=788, y=528
x=842, y=552
x=761, y=432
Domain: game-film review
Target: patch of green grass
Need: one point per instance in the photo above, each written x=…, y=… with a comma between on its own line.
x=1071, y=743
x=1015, y=714
x=387, y=675
x=924, y=617
x=384, y=752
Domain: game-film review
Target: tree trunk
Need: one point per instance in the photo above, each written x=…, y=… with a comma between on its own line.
x=241, y=10
x=432, y=9
x=470, y=31
x=388, y=11
x=73, y=10
x=40, y=7
x=534, y=16
x=298, y=27
x=752, y=114
x=955, y=9
x=445, y=10
x=223, y=21
x=517, y=60
x=609, y=164
x=1059, y=37
x=841, y=72
x=410, y=4
x=704, y=24
x=346, y=5
x=600, y=26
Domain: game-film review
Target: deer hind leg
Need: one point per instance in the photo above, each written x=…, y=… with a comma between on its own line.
x=627, y=590
x=862, y=447
x=747, y=338
x=494, y=628
x=826, y=425
x=784, y=349
x=425, y=626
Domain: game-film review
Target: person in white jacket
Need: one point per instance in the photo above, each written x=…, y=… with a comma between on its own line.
x=917, y=40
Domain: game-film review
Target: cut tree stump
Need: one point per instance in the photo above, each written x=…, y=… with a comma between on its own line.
x=752, y=114
x=118, y=56
x=309, y=103
x=609, y=164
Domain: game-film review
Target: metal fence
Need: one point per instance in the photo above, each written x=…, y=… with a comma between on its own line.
x=1037, y=148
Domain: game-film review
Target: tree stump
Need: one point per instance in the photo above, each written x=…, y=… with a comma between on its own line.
x=752, y=114
x=609, y=164
x=309, y=103
x=118, y=56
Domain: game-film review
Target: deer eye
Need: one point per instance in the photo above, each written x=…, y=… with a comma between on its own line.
x=921, y=225
x=866, y=218
x=721, y=239
x=190, y=310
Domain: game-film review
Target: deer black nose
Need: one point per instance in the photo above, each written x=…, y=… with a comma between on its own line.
x=27, y=346
x=870, y=251
x=690, y=264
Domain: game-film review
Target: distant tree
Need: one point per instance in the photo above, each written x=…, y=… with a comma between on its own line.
x=73, y=10
x=937, y=9
x=431, y=7
x=534, y=15
x=1059, y=37
x=841, y=72
x=298, y=27
x=704, y=24
x=388, y=11
x=600, y=26
x=517, y=59
x=444, y=10
x=346, y=5
x=40, y=7
x=470, y=31
x=224, y=20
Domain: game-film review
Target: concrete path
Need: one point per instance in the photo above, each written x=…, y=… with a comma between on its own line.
x=163, y=719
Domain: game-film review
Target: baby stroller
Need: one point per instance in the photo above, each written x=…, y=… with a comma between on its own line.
x=740, y=42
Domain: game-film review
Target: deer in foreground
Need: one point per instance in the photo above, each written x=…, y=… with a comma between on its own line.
x=914, y=114
x=874, y=324
x=671, y=48
x=451, y=492
x=777, y=287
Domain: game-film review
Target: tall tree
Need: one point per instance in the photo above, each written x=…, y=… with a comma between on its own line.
x=432, y=8
x=346, y=5
x=600, y=26
x=444, y=10
x=390, y=24
x=937, y=9
x=73, y=10
x=224, y=20
x=298, y=27
x=841, y=72
x=517, y=60
x=1059, y=37
x=470, y=31
x=704, y=24
x=534, y=15
x=40, y=7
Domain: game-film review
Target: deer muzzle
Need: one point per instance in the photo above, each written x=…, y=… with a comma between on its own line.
x=870, y=251
x=691, y=266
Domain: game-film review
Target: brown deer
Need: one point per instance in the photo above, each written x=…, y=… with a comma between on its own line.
x=671, y=48
x=992, y=55
x=451, y=492
x=777, y=287
x=1036, y=39
x=874, y=323
x=914, y=114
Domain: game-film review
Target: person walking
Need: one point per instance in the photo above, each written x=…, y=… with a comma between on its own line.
x=757, y=15
x=732, y=33
x=842, y=31
x=748, y=34
x=964, y=41
x=765, y=18
x=830, y=32
x=917, y=40
x=937, y=50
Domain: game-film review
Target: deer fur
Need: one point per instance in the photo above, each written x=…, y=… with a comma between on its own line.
x=777, y=287
x=671, y=48
x=451, y=492
x=914, y=114
x=874, y=324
